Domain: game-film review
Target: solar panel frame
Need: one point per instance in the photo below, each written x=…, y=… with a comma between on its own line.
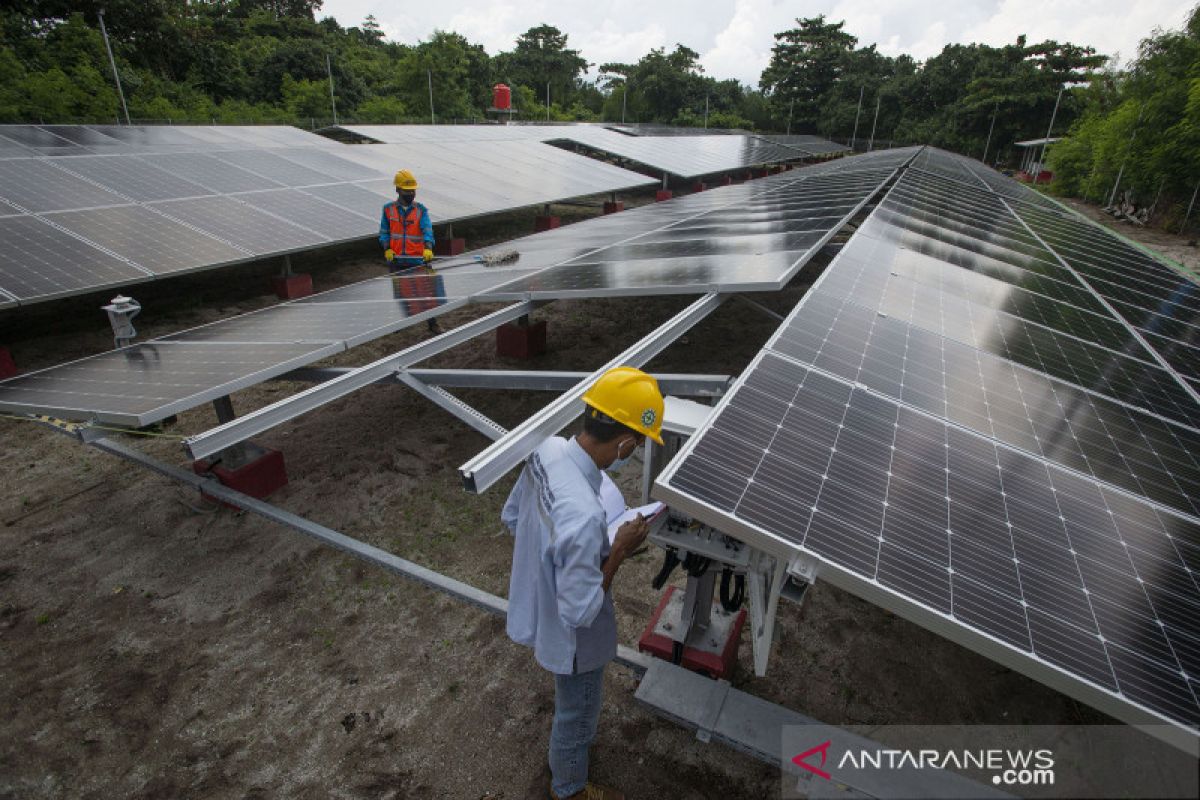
x=241, y=225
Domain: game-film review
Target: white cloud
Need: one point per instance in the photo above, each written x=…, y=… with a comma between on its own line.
x=739, y=49
x=734, y=37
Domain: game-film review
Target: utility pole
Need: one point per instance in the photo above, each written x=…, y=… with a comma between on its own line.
x=871, y=145
x=705, y=112
x=112, y=61
x=1042, y=158
x=547, y=101
x=791, y=108
x=624, y=95
x=1183, y=224
x=854, y=136
x=332, y=102
x=988, y=143
x=429, y=75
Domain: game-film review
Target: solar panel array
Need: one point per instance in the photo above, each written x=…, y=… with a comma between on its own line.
x=955, y=425
x=684, y=156
x=813, y=144
x=88, y=207
x=788, y=215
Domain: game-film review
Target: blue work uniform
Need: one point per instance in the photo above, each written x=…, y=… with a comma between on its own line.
x=556, y=599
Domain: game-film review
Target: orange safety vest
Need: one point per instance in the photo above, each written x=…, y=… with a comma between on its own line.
x=407, y=239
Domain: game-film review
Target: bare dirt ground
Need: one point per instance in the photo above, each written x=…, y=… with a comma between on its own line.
x=152, y=646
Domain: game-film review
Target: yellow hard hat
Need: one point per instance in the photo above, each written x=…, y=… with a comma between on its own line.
x=405, y=180
x=631, y=397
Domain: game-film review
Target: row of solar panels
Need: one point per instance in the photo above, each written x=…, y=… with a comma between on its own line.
x=76, y=223
x=955, y=424
x=753, y=236
x=683, y=156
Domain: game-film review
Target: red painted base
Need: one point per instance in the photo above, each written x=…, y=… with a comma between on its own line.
x=450, y=247
x=663, y=194
x=614, y=207
x=8, y=367
x=727, y=180
x=521, y=341
x=699, y=186
x=258, y=478
x=715, y=665
x=544, y=223
x=290, y=287
x=766, y=173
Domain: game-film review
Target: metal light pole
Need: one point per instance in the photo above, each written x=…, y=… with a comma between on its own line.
x=624, y=95
x=791, y=108
x=988, y=143
x=429, y=75
x=332, y=102
x=112, y=61
x=547, y=101
x=1041, y=162
x=854, y=136
x=871, y=145
x=705, y=112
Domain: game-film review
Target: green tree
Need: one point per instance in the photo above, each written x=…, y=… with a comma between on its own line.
x=541, y=60
x=806, y=62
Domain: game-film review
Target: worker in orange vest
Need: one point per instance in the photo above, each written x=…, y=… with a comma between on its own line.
x=406, y=232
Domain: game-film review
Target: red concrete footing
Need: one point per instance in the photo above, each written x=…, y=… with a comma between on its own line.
x=716, y=665
x=614, y=206
x=699, y=186
x=727, y=180
x=8, y=367
x=258, y=478
x=290, y=287
x=663, y=194
x=450, y=247
x=521, y=341
x=545, y=223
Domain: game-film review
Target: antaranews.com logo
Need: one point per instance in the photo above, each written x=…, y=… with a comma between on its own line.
x=1006, y=767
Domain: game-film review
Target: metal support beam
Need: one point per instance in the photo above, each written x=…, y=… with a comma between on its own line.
x=678, y=384
x=217, y=439
x=626, y=657
x=760, y=307
x=457, y=407
x=486, y=468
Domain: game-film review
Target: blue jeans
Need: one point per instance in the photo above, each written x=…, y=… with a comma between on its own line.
x=576, y=714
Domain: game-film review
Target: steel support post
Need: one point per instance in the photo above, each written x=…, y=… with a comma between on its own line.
x=510, y=450
x=217, y=439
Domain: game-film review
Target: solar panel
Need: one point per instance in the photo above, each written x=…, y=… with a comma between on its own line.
x=330, y=164
x=210, y=172
x=137, y=181
x=147, y=382
x=275, y=167
x=39, y=261
x=40, y=141
x=37, y=185
x=733, y=238
x=325, y=219
x=148, y=239
x=451, y=283
x=937, y=430
x=241, y=225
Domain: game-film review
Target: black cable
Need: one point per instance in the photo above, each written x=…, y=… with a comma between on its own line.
x=696, y=565
x=732, y=603
x=670, y=562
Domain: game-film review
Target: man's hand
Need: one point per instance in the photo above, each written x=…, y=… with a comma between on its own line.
x=631, y=535
x=427, y=255
x=629, y=538
x=389, y=254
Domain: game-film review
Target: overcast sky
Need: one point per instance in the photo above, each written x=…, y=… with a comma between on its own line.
x=734, y=37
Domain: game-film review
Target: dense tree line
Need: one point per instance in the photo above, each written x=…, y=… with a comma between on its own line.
x=1138, y=131
x=271, y=61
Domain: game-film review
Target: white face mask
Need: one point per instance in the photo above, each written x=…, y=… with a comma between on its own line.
x=620, y=462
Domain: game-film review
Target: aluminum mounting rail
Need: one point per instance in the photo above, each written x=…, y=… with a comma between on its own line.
x=217, y=439
x=511, y=449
